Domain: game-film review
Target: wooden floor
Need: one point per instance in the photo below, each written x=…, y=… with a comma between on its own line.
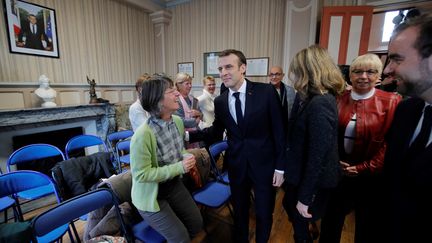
x=219, y=226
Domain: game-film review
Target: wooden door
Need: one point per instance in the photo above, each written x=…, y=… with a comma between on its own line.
x=345, y=31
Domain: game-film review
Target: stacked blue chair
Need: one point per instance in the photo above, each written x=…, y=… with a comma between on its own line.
x=217, y=193
x=6, y=203
x=215, y=150
x=30, y=153
x=71, y=209
x=113, y=139
x=83, y=141
x=13, y=183
x=122, y=151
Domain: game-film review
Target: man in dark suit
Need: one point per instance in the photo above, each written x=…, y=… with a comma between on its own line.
x=408, y=160
x=251, y=114
x=33, y=35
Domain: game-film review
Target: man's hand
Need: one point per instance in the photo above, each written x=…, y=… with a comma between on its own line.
x=278, y=179
x=303, y=210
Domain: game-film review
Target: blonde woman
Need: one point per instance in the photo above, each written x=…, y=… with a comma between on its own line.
x=365, y=115
x=313, y=162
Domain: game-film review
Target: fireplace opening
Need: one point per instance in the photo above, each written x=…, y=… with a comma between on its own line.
x=58, y=138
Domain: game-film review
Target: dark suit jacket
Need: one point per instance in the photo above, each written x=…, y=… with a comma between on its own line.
x=312, y=154
x=33, y=41
x=258, y=149
x=408, y=180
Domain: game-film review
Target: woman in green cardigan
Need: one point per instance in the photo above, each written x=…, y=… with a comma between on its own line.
x=156, y=164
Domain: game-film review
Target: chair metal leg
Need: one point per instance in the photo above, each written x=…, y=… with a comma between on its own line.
x=5, y=214
x=75, y=232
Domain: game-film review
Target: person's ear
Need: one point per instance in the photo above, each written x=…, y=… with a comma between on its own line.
x=243, y=68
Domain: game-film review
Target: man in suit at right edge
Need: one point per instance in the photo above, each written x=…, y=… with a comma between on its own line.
x=408, y=160
x=251, y=114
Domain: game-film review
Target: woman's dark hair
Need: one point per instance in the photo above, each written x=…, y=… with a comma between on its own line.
x=152, y=93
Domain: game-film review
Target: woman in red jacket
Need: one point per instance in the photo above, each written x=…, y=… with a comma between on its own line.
x=365, y=115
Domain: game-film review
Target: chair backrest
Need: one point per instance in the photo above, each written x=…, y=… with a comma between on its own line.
x=120, y=135
x=83, y=141
x=33, y=152
x=123, y=146
x=23, y=180
x=215, y=150
x=73, y=208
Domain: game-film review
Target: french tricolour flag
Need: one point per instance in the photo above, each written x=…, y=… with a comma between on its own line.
x=15, y=21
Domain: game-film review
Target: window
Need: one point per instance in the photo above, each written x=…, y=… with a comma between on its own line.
x=389, y=23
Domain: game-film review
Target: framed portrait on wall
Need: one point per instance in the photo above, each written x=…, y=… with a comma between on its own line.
x=257, y=67
x=31, y=29
x=186, y=67
x=211, y=64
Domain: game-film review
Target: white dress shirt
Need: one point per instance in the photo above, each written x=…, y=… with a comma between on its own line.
x=137, y=115
x=231, y=100
x=418, y=128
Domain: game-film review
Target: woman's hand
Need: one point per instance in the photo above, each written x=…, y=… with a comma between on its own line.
x=348, y=170
x=303, y=210
x=188, y=162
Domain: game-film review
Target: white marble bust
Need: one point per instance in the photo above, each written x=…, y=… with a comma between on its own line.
x=45, y=92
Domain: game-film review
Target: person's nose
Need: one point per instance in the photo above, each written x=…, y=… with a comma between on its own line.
x=223, y=72
x=364, y=74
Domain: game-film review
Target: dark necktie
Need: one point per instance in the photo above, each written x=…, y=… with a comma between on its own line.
x=239, y=113
x=420, y=142
x=34, y=29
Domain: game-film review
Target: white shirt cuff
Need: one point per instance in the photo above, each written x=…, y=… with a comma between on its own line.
x=186, y=137
x=280, y=171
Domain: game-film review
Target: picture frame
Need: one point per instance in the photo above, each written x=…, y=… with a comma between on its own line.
x=186, y=67
x=211, y=64
x=257, y=67
x=31, y=29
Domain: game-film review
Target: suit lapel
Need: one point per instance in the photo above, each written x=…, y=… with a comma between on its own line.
x=411, y=123
x=249, y=100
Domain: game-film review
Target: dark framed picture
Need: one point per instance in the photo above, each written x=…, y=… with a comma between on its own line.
x=31, y=29
x=211, y=64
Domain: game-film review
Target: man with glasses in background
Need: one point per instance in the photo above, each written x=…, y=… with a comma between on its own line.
x=286, y=93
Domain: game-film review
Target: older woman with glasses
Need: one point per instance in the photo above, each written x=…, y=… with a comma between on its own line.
x=365, y=115
x=157, y=163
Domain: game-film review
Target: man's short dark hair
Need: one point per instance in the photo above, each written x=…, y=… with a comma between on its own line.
x=423, y=44
x=239, y=54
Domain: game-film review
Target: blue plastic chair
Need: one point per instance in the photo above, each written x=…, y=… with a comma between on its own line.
x=23, y=180
x=29, y=153
x=6, y=203
x=81, y=142
x=113, y=139
x=122, y=151
x=71, y=209
x=215, y=150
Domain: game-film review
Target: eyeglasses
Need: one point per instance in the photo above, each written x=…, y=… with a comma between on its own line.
x=170, y=91
x=369, y=72
x=275, y=74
